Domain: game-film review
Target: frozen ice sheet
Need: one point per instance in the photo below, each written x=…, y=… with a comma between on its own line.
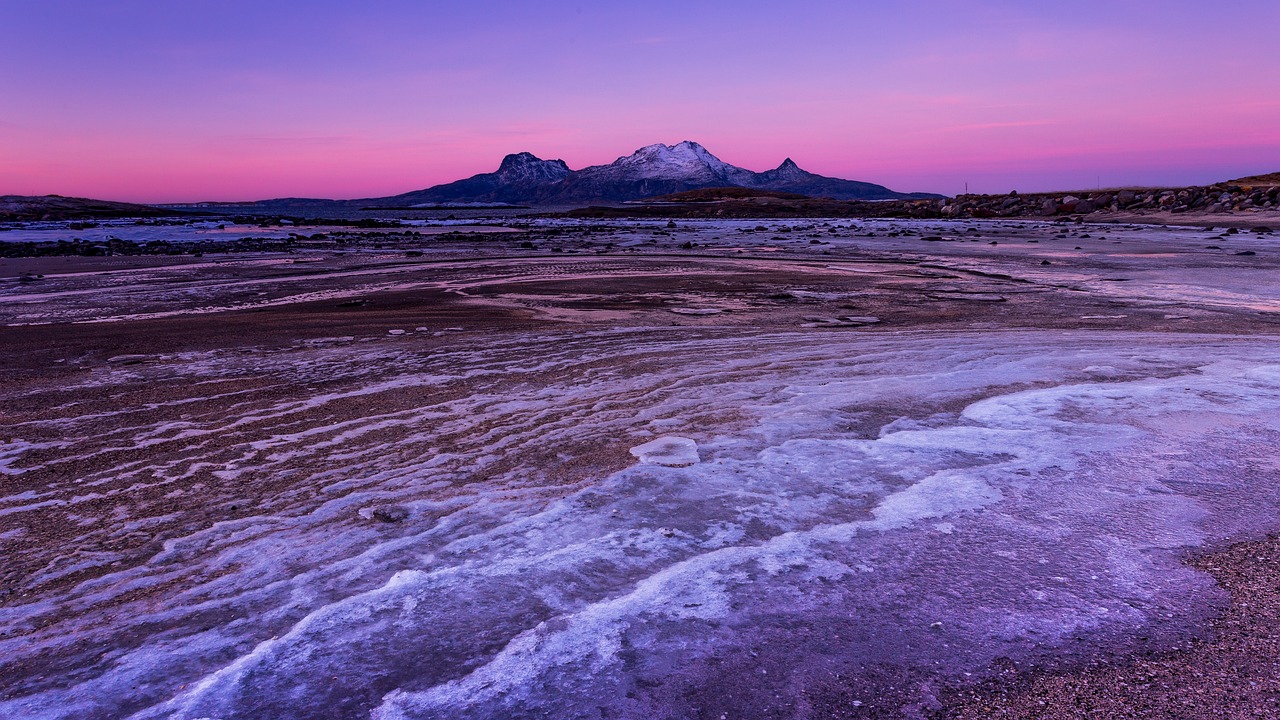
x=927, y=501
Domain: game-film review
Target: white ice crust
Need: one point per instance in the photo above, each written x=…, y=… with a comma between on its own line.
x=674, y=451
x=1039, y=512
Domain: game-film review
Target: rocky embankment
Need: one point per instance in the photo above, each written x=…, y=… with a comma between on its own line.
x=1225, y=203
x=1210, y=200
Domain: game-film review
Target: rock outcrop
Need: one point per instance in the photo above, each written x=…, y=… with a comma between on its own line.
x=1224, y=198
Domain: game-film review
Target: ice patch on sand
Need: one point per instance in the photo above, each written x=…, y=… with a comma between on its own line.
x=671, y=450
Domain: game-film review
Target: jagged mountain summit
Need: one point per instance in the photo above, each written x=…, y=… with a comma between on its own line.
x=520, y=179
x=650, y=171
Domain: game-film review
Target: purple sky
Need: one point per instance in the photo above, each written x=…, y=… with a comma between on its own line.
x=195, y=100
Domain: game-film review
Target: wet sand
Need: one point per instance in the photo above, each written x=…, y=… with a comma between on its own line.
x=161, y=418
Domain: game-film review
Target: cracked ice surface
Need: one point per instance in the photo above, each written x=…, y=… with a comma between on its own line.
x=928, y=501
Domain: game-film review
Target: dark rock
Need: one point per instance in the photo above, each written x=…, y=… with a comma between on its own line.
x=390, y=513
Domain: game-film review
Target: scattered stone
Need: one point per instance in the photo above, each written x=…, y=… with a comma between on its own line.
x=128, y=359
x=386, y=513
x=970, y=297
x=840, y=322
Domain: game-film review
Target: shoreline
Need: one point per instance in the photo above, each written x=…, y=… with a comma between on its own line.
x=1233, y=671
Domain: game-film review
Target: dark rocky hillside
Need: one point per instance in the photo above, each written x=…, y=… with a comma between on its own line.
x=18, y=208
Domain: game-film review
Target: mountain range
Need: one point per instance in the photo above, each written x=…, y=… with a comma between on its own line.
x=654, y=170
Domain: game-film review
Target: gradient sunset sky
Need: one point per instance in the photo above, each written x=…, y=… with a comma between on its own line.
x=228, y=100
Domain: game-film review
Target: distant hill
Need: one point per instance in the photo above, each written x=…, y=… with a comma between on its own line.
x=55, y=207
x=718, y=194
x=651, y=171
x=1268, y=180
x=520, y=178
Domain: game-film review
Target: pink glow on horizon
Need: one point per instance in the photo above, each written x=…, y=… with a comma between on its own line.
x=322, y=103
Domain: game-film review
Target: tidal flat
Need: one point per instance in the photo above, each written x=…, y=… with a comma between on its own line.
x=619, y=469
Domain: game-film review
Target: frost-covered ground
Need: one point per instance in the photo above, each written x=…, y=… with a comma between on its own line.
x=555, y=495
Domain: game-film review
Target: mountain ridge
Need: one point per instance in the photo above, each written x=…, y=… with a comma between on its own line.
x=650, y=171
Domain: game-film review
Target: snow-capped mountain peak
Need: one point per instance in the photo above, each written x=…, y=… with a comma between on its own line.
x=686, y=160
